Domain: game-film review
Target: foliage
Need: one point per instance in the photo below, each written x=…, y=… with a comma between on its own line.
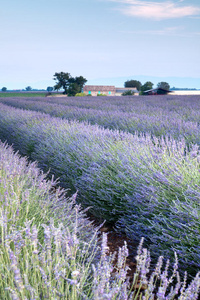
x=128, y=93
x=50, y=250
x=62, y=81
x=69, y=84
x=101, y=94
x=74, y=88
x=146, y=86
x=4, y=89
x=80, y=95
x=133, y=83
x=49, y=89
x=163, y=85
x=141, y=182
x=28, y=88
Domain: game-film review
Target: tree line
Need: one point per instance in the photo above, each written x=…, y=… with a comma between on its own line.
x=74, y=85
x=146, y=86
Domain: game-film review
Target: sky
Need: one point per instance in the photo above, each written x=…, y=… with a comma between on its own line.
x=106, y=41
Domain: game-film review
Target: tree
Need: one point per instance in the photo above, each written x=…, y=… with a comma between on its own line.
x=28, y=88
x=70, y=85
x=4, y=89
x=73, y=89
x=76, y=85
x=133, y=83
x=80, y=81
x=49, y=89
x=163, y=85
x=63, y=81
x=146, y=86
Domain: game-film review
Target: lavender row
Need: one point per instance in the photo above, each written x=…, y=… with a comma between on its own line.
x=42, y=258
x=177, y=116
x=149, y=186
x=37, y=252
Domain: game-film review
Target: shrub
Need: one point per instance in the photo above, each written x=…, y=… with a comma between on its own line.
x=80, y=95
x=37, y=251
x=101, y=94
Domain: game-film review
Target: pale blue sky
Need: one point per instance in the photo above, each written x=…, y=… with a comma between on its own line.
x=101, y=40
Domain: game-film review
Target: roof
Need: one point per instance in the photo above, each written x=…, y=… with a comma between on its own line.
x=156, y=89
x=122, y=90
x=102, y=88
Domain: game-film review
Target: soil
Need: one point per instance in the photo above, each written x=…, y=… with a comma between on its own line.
x=116, y=240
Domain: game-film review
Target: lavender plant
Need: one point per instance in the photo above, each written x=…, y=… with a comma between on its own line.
x=49, y=250
x=46, y=240
x=139, y=181
x=177, y=116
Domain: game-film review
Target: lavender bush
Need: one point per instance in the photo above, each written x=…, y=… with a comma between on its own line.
x=30, y=232
x=49, y=250
x=141, y=182
x=177, y=116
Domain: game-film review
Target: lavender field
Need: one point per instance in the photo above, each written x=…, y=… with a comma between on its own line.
x=143, y=175
x=175, y=116
x=50, y=250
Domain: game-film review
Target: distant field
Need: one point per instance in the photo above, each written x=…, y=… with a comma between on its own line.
x=25, y=94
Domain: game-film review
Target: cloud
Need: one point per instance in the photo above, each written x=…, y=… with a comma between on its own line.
x=157, y=10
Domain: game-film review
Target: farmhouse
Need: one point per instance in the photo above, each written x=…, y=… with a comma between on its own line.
x=108, y=90
x=157, y=91
x=93, y=90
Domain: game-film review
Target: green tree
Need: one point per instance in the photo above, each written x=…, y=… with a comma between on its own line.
x=28, y=88
x=70, y=85
x=4, y=89
x=133, y=83
x=163, y=85
x=73, y=89
x=49, y=89
x=80, y=81
x=62, y=81
x=146, y=86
